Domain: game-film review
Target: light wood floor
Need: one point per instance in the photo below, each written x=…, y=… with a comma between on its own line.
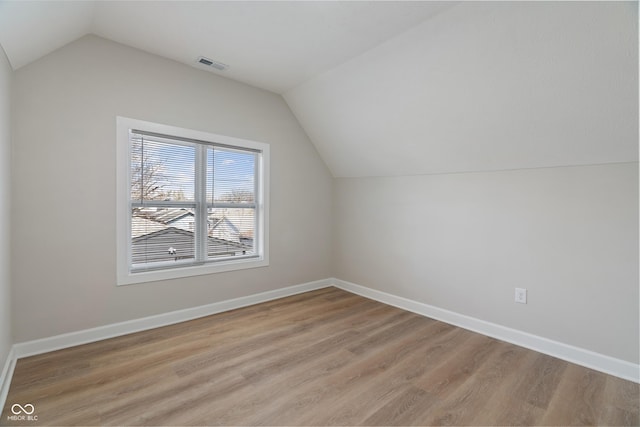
x=321, y=358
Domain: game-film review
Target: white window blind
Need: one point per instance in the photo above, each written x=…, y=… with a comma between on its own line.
x=192, y=202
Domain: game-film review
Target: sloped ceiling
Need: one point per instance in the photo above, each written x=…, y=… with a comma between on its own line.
x=483, y=86
x=272, y=45
x=29, y=30
x=396, y=88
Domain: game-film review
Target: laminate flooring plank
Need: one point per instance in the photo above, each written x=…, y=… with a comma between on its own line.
x=405, y=408
x=621, y=403
x=367, y=384
x=458, y=367
x=506, y=407
x=477, y=392
x=188, y=396
x=394, y=369
x=542, y=381
x=386, y=335
x=301, y=349
x=283, y=409
x=247, y=353
x=578, y=399
x=241, y=357
x=299, y=330
x=239, y=408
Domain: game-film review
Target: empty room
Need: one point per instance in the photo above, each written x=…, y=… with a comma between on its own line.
x=309, y=213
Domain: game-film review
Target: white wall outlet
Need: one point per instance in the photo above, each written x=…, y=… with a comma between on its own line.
x=521, y=295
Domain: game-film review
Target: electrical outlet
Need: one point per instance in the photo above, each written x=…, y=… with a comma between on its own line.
x=521, y=295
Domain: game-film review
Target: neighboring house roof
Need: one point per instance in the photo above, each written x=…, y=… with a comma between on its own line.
x=161, y=235
x=165, y=216
x=215, y=222
x=172, y=215
x=141, y=226
x=154, y=246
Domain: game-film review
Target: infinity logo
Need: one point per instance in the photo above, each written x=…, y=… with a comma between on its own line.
x=27, y=409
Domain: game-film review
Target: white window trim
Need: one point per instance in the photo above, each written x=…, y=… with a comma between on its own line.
x=123, y=191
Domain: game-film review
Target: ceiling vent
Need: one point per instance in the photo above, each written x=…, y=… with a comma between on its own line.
x=211, y=63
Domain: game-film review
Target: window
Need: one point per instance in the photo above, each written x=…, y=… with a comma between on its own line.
x=189, y=202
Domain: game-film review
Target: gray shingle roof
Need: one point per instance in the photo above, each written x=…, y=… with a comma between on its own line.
x=155, y=246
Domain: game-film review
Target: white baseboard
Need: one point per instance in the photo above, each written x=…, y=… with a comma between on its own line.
x=5, y=377
x=580, y=356
x=57, y=342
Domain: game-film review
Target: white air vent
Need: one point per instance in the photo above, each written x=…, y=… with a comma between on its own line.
x=211, y=63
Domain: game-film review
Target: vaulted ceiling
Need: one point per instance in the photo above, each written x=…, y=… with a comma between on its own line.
x=481, y=87
x=272, y=45
x=395, y=88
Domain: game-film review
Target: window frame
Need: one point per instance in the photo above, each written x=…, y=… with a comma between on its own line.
x=125, y=274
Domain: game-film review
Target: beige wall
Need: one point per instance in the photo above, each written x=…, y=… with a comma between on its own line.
x=463, y=242
x=5, y=180
x=64, y=240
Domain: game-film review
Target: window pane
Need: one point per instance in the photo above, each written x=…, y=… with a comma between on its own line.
x=231, y=232
x=230, y=176
x=161, y=235
x=161, y=171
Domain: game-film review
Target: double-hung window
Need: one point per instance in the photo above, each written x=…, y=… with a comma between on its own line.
x=189, y=202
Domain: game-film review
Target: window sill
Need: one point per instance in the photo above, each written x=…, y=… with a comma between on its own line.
x=128, y=278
